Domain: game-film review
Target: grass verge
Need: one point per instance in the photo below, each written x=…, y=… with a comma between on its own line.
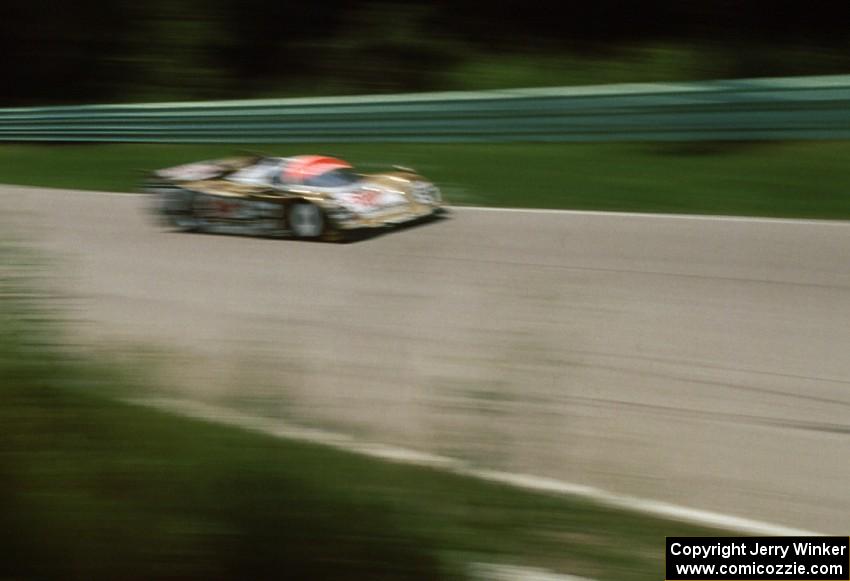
x=91, y=488
x=800, y=179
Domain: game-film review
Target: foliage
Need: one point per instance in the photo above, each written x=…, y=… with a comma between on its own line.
x=95, y=51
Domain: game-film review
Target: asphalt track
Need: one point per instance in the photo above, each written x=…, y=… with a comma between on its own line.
x=703, y=362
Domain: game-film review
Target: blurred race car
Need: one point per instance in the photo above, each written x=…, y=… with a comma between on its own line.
x=304, y=196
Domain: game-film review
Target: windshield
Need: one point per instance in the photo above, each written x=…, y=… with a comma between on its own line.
x=333, y=179
x=264, y=172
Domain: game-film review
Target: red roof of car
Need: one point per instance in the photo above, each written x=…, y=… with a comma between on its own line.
x=302, y=167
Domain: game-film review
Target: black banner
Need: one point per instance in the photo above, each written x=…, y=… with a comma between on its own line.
x=758, y=558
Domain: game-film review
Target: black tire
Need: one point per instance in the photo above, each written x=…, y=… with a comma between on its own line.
x=307, y=221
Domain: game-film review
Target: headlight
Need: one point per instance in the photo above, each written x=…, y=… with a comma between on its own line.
x=426, y=192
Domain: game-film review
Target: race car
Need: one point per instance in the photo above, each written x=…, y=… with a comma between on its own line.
x=303, y=196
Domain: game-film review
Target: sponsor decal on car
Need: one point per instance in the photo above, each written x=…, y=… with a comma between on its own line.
x=236, y=209
x=370, y=200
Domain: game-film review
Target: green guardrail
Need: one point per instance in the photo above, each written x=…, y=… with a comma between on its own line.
x=752, y=109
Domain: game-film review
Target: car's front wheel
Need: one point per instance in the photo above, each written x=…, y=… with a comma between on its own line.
x=306, y=220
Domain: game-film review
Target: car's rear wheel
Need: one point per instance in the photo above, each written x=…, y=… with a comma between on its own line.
x=185, y=223
x=306, y=220
x=178, y=207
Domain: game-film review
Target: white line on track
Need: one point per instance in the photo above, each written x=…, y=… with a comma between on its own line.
x=717, y=218
x=490, y=572
x=282, y=429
